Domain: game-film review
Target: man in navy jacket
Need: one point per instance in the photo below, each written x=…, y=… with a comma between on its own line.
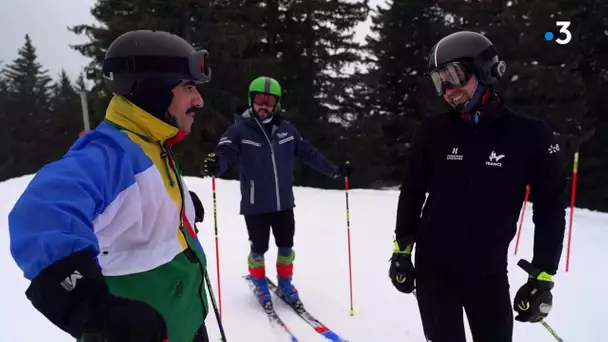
x=265, y=145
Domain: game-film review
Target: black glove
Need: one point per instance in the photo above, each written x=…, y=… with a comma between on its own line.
x=211, y=165
x=344, y=169
x=199, y=210
x=402, y=271
x=533, y=301
x=73, y=295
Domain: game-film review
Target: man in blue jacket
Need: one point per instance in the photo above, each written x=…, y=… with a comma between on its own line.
x=265, y=146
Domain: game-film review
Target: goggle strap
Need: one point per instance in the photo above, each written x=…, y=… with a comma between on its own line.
x=255, y=94
x=134, y=64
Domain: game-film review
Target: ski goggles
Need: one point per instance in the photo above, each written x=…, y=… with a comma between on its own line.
x=450, y=76
x=198, y=66
x=193, y=68
x=264, y=100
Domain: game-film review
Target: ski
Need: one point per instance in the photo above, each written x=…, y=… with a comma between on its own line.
x=306, y=316
x=278, y=326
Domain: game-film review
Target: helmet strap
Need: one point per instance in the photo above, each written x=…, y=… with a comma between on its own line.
x=170, y=119
x=473, y=102
x=155, y=98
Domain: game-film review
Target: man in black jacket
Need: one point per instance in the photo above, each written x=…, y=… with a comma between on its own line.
x=475, y=163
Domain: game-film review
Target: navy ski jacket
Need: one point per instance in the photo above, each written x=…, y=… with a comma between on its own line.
x=266, y=161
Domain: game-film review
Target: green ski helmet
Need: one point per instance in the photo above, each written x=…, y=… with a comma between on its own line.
x=265, y=85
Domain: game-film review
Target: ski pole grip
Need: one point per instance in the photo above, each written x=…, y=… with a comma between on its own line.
x=528, y=267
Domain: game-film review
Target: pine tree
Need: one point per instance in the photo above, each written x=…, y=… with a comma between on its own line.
x=591, y=36
x=314, y=40
x=118, y=17
x=81, y=83
x=63, y=91
x=27, y=81
x=228, y=29
x=6, y=158
x=3, y=85
x=66, y=120
x=26, y=111
x=402, y=37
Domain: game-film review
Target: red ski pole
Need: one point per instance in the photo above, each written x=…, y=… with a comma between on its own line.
x=521, y=219
x=217, y=246
x=350, y=274
x=572, y=200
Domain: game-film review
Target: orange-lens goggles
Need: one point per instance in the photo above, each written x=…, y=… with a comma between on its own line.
x=265, y=100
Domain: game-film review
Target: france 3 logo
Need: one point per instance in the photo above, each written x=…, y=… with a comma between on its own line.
x=563, y=25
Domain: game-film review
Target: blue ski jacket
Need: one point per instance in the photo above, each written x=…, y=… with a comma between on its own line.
x=266, y=161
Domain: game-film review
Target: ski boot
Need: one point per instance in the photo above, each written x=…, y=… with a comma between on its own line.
x=261, y=290
x=289, y=292
x=257, y=271
x=285, y=275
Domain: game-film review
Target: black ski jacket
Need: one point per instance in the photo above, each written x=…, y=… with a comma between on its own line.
x=476, y=176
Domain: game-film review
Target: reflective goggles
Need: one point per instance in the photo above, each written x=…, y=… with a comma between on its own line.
x=199, y=68
x=192, y=68
x=264, y=99
x=450, y=76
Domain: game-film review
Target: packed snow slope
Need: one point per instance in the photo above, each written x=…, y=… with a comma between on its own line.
x=321, y=272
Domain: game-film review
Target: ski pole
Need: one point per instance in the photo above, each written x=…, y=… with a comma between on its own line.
x=550, y=330
x=572, y=202
x=350, y=274
x=217, y=245
x=215, y=310
x=521, y=220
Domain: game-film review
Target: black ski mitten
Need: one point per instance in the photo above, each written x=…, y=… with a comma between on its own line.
x=199, y=210
x=533, y=301
x=211, y=165
x=345, y=169
x=402, y=271
x=74, y=296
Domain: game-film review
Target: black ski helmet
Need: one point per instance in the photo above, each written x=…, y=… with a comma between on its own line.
x=472, y=48
x=144, y=65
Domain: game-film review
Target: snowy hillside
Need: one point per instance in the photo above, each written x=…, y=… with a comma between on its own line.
x=321, y=273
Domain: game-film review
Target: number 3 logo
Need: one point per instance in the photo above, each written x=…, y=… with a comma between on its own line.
x=564, y=29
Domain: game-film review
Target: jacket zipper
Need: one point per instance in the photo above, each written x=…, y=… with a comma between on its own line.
x=165, y=156
x=181, y=220
x=274, y=166
x=163, y=153
x=252, y=191
x=470, y=168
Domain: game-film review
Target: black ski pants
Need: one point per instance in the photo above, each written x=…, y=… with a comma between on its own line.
x=258, y=228
x=443, y=295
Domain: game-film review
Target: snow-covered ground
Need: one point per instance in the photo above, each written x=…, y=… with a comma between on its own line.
x=321, y=273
